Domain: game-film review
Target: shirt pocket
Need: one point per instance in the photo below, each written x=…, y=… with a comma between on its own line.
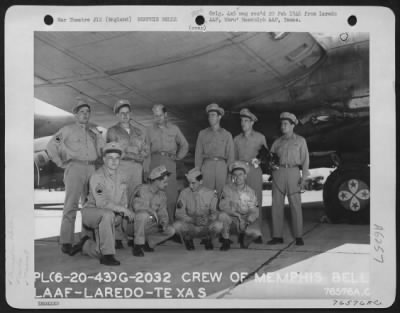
x=169, y=139
x=294, y=151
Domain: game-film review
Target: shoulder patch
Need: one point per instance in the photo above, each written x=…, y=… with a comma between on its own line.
x=59, y=138
x=99, y=189
x=179, y=205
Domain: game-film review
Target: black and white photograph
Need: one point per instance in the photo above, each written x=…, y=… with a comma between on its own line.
x=210, y=166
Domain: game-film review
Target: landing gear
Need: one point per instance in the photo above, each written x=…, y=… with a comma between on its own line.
x=347, y=195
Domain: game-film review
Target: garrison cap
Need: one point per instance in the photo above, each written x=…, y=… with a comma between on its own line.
x=239, y=165
x=112, y=147
x=193, y=173
x=158, y=106
x=213, y=107
x=120, y=104
x=81, y=103
x=290, y=117
x=159, y=172
x=248, y=114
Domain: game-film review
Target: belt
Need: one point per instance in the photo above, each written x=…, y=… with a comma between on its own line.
x=216, y=159
x=167, y=154
x=129, y=159
x=248, y=163
x=87, y=162
x=288, y=166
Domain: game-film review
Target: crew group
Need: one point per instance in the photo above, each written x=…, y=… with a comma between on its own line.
x=225, y=187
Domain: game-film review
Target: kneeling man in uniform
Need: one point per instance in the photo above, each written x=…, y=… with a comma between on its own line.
x=106, y=205
x=239, y=208
x=149, y=204
x=196, y=212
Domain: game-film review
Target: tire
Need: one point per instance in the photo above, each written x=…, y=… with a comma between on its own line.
x=346, y=195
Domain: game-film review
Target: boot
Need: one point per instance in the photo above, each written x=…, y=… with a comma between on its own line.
x=118, y=244
x=299, y=241
x=275, y=241
x=147, y=248
x=109, y=259
x=226, y=245
x=78, y=247
x=208, y=244
x=130, y=243
x=66, y=248
x=137, y=250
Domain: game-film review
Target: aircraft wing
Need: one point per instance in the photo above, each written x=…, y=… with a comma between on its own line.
x=183, y=70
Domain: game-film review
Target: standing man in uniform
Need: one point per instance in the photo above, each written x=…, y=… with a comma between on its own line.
x=287, y=180
x=75, y=148
x=214, y=150
x=239, y=209
x=106, y=205
x=247, y=146
x=132, y=141
x=167, y=145
x=149, y=203
x=196, y=213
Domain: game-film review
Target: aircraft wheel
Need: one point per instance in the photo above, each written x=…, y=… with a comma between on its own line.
x=346, y=196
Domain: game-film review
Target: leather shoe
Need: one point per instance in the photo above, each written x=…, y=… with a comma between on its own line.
x=299, y=241
x=66, y=248
x=208, y=244
x=78, y=247
x=189, y=244
x=118, y=244
x=147, y=248
x=275, y=241
x=137, y=250
x=176, y=238
x=258, y=240
x=109, y=259
x=130, y=243
x=226, y=245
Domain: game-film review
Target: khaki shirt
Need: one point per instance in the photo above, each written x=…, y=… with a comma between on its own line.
x=133, y=143
x=168, y=138
x=154, y=203
x=75, y=142
x=292, y=151
x=247, y=147
x=199, y=207
x=212, y=143
x=242, y=202
x=107, y=191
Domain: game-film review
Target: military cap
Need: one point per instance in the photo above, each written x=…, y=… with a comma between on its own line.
x=81, y=103
x=239, y=165
x=112, y=147
x=289, y=116
x=158, y=172
x=248, y=114
x=120, y=104
x=158, y=106
x=213, y=107
x=193, y=173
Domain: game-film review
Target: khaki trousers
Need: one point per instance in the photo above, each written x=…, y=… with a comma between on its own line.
x=231, y=226
x=103, y=222
x=76, y=180
x=285, y=182
x=215, y=173
x=189, y=230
